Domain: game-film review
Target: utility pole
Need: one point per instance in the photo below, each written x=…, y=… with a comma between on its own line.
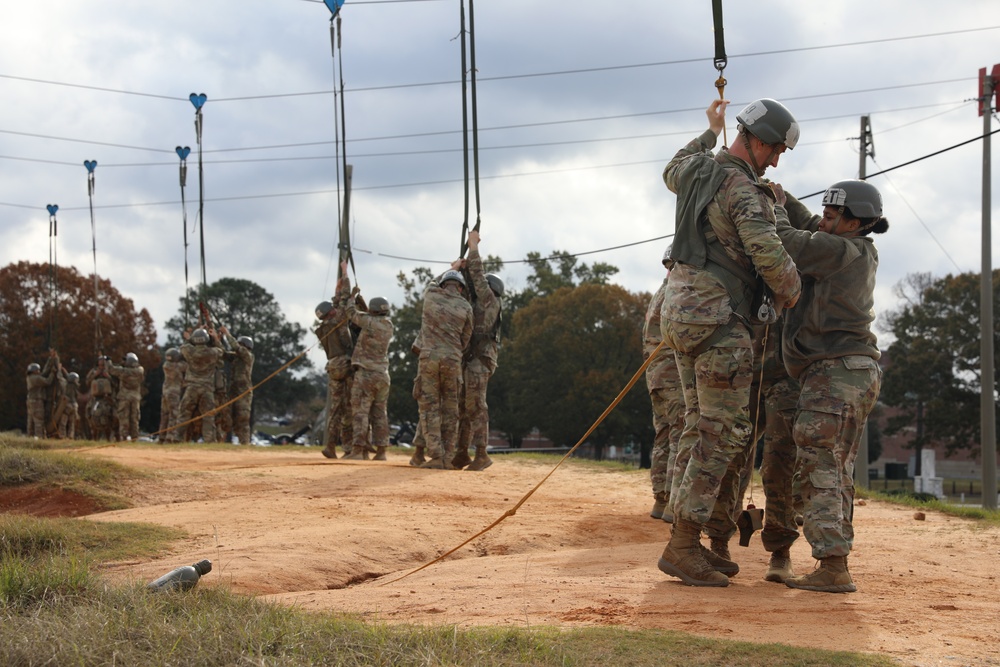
x=988, y=424
x=861, y=479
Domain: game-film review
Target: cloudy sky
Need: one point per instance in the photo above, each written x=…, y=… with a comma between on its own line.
x=580, y=105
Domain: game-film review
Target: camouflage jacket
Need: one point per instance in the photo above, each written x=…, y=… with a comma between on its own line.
x=37, y=382
x=372, y=349
x=740, y=214
x=446, y=324
x=333, y=331
x=834, y=315
x=242, y=368
x=484, y=345
x=662, y=371
x=201, y=364
x=130, y=379
x=173, y=376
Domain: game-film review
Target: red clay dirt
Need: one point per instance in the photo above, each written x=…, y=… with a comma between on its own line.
x=333, y=535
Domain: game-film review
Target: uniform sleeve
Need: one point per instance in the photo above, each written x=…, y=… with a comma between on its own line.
x=797, y=215
x=817, y=254
x=702, y=144
x=750, y=209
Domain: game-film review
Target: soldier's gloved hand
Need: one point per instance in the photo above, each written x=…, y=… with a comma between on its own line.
x=355, y=291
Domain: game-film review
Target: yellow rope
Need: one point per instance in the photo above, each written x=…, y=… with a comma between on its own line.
x=512, y=511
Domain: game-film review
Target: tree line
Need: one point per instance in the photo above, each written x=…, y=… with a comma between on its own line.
x=570, y=341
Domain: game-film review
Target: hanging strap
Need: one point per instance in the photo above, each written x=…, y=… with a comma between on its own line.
x=720, y=60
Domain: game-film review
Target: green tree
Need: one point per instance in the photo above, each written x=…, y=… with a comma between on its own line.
x=43, y=307
x=247, y=309
x=933, y=370
x=571, y=353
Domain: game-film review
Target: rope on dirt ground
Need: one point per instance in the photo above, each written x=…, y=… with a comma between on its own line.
x=512, y=511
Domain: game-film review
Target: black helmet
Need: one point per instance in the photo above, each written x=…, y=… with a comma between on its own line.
x=771, y=122
x=495, y=283
x=323, y=309
x=452, y=274
x=131, y=360
x=861, y=198
x=73, y=378
x=200, y=336
x=378, y=306
x=245, y=341
x=173, y=354
x=34, y=368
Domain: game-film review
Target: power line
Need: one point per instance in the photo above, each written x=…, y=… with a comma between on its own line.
x=502, y=77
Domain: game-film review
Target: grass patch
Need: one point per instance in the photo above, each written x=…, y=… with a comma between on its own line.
x=206, y=626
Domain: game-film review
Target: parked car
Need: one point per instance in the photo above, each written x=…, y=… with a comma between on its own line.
x=402, y=434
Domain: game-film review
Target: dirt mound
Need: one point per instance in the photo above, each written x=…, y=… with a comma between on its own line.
x=46, y=501
x=345, y=535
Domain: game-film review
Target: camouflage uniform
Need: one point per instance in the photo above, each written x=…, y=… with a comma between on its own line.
x=663, y=383
x=100, y=405
x=37, y=383
x=199, y=386
x=129, y=397
x=830, y=349
x=71, y=412
x=370, y=389
x=170, y=403
x=335, y=337
x=705, y=313
x=480, y=363
x=224, y=415
x=445, y=332
x=241, y=388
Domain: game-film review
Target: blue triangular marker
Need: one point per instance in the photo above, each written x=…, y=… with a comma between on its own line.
x=334, y=5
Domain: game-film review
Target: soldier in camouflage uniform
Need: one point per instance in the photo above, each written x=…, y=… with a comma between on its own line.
x=370, y=389
x=830, y=349
x=335, y=336
x=37, y=381
x=71, y=412
x=480, y=362
x=724, y=245
x=101, y=399
x=664, y=386
x=202, y=353
x=445, y=332
x=130, y=377
x=174, y=368
x=241, y=386
x=223, y=415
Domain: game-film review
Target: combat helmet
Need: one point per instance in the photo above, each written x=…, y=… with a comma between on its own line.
x=131, y=360
x=323, y=309
x=245, y=341
x=73, y=378
x=173, y=354
x=770, y=121
x=452, y=274
x=34, y=368
x=495, y=283
x=200, y=336
x=861, y=198
x=378, y=306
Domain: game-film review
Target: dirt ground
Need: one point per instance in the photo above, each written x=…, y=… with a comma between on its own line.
x=293, y=527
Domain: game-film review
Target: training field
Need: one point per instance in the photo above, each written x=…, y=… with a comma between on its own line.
x=321, y=534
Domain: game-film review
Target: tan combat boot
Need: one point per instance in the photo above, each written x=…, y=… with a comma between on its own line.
x=659, y=506
x=779, y=569
x=682, y=558
x=357, y=454
x=720, y=547
x=379, y=454
x=482, y=460
x=437, y=463
x=830, y=577
x=461, y=458
x=329, y=452
x=418, y=457
x=720, y=564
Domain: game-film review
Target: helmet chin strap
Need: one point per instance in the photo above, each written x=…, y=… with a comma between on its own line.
x=753, y=158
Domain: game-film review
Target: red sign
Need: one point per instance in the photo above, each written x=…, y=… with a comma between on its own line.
x=985, y=104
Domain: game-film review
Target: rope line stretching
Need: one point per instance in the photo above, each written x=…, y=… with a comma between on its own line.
x=512, y=511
